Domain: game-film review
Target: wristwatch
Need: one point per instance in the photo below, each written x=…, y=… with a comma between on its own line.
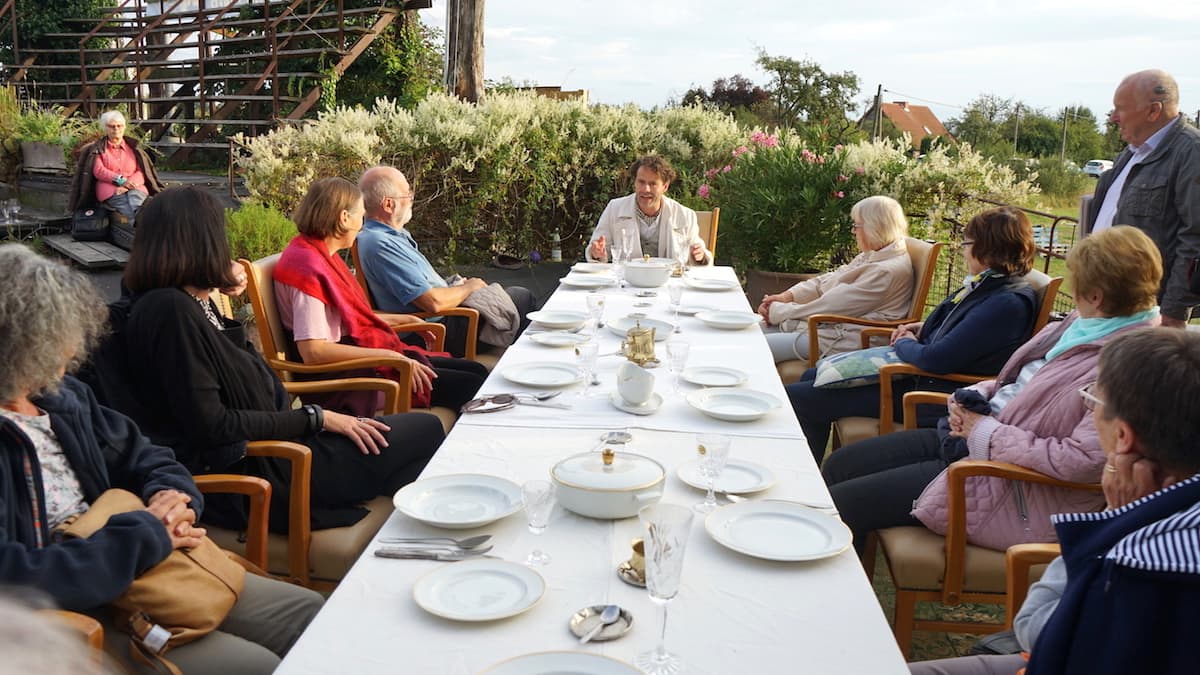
x=316, y=418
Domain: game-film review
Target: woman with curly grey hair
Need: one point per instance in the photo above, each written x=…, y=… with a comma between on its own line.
x=60, y=450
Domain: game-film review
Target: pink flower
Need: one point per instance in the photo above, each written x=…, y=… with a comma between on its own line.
x=820, y=159
x=807, y=155
x=740, y=150
x=710, y=174
x=726, y=169
x=837, y=148
x=703, y=191
x=837, y=194
x=842, y=178
x=771, y=142
x=860, y=171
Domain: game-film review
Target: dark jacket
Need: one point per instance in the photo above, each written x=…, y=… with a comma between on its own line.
x=83, y=184
x=1132, y=600
x=978, y=334
x=105, y=449
x=1161, y=197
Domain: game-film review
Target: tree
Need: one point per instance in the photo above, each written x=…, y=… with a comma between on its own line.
x=802, y=92
x=981, y=122
x=403, y=63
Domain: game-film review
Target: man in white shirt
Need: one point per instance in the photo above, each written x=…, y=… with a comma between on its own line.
x=648, y=221
x=1154, y=184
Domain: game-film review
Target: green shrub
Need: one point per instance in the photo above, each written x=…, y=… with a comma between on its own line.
x=256, y=231
x=1061, y=180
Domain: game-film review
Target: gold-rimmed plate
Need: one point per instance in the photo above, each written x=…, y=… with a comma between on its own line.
x=482, y=589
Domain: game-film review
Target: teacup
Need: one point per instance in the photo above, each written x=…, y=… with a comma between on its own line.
x=634, y=383
x=637, y=561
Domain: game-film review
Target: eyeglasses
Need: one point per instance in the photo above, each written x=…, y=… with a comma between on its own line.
x=965, y=243
x=856, y=226
x=404, y=195
x=1089, y=399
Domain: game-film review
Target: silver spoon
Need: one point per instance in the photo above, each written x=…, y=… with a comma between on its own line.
x=467, y=543
x=539, y=395
x=610, y=614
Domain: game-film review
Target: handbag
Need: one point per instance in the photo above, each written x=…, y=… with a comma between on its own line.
x=179, y=600
x=90, y=224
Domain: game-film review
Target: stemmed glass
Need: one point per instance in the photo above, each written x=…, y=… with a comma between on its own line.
x=667, y=529
x=713, y=450
x=675, y=291
x=620, y=255
x=586, y=356
x=539, y=503
x=595, y=305
x=677, y=356
x=14, y=207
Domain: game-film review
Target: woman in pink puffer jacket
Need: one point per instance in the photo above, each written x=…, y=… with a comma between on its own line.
x=1037, y=418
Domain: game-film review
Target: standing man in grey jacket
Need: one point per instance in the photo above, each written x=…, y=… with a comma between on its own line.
x=1154, y=184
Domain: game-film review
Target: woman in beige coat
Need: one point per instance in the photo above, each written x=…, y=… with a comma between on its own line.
x=877, y=285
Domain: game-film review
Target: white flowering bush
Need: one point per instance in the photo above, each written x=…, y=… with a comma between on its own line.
x=504, y=174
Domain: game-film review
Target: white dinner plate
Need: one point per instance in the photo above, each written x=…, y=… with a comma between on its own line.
x=778, y=530
x=689, y=310
x=590, y=267
x=714, y=376
x=548, y=374
x=729, y=320
x=662, y=329
x=733, y=405
x=706, y=284
x=586, y=281
x=559, y=339
x=479, y=590
x=459, y=501
x=563, y=319
x=562, y=663
x=739, y=477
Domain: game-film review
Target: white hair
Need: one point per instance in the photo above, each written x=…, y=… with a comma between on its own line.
x=110, y=116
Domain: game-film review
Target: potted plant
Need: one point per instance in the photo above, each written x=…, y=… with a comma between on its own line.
x=45, y=136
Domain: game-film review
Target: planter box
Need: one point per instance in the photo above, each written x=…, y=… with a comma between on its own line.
x=760, y=283
x=42, y=157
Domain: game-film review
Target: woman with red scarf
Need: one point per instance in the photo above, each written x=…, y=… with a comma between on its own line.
x=323, y=306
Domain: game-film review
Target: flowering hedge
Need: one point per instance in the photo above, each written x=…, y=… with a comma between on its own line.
x=504, y=174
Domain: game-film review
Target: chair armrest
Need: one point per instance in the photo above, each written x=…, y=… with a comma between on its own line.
x=299, y=500
x=890, y=371
x=438, y=331
x=1017, y=563
x=868, y=333
x=87, y=627
x=403, y=367
x=259, y=492
x=956, y=528
x=472, y=316
x=814, y=322
x=392, y=394
x=915, y=398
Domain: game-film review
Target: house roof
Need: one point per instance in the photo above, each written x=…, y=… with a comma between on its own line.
x=917, y=120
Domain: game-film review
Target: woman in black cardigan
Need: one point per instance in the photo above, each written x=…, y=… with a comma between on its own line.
x=199, y=387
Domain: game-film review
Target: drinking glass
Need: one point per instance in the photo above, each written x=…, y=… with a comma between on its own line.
x=586, y=356
x=675, y=291
x=620, y=255
x=677, y=356
x=14, y=207
x=713, y=450
x=595, y=305
x=539, y=504
x=667, y=528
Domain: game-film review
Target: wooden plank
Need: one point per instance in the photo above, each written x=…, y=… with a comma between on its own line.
x=89, y=254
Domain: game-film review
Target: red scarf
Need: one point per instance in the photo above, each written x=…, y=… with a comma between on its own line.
x=307, y=266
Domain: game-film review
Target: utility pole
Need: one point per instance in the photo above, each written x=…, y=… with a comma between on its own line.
x=1063, y=153
x=877, y=123
x=464, y=49
x=1016, y=127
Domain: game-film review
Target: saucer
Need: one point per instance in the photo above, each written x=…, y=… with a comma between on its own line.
x=626, y=573
x=648, y=408
x=583, y=621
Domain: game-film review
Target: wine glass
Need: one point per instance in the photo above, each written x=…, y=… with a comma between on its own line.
x=14, y=207
x=677, y=356
x=713, y=450
x=667, y=529
x=539, y=504
x=675, y=291
x=586, y=356
x=595, y=305
x=620, y=255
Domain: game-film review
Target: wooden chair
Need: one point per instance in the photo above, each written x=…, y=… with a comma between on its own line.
x=1024, y=564
x=924, y=256
x=87, y=627
x=708, y=221
x=471, y=350
x=849, y=430
x=928, y=567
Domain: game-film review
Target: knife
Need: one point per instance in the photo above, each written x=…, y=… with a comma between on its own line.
x=444, y=556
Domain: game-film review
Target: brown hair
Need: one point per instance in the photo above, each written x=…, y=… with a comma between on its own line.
x=1123, y=264
x=320, y=212
x=179, y=241
x=656, y=164
x=1003, y=240
x=1150, y=379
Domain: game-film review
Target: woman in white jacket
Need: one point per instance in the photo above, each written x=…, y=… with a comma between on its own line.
x=876, y=285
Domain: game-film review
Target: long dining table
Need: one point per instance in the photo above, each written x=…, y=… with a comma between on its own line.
x=733, y=614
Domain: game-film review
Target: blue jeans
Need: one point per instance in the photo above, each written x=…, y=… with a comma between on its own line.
x=127, y=204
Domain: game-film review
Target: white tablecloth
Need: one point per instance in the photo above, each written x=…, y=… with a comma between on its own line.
x=733, y=614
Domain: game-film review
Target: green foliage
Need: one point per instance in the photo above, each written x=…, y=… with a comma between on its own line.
x=405, y=62
x=1004, y=128
x=1062, y=179
x=256, y=231
x=38, y=18
x=801, y=91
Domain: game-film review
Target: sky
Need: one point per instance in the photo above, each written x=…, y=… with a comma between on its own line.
x=1045, y=53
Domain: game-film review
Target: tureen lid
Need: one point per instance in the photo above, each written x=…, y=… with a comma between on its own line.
x=608, y=470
